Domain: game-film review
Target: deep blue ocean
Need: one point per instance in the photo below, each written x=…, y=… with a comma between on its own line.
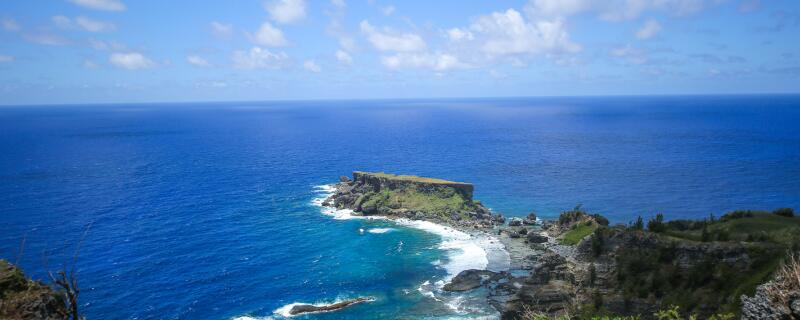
x=204, y=210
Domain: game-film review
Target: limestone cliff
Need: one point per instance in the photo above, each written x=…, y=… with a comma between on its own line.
x=411, y=197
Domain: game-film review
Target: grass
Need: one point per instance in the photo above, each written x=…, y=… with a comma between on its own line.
x=759, y=227
x=410, y=178
x=444, y=200
x=577, y=234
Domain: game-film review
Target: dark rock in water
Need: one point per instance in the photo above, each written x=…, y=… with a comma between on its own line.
x=468, y=280
x=21, y=298
x=499, y=219
x=513, y=234
x=515, y=222
x=530, y=219
x=344, y=179
x=523, y=231
x=534, y=237
x=307, y=308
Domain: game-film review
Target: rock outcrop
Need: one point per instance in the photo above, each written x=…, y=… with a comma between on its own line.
x=779, y=298
x=22, y=298
x=310, y=308
x=412, y=197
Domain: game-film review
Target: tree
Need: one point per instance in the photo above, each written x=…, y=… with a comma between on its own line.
x=639, y=224
x=656, y=224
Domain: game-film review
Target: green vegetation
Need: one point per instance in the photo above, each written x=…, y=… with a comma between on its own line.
x=579, y=232
x=442, y=201
x=673, y=313
x=12, y=280
x=763, y=237
x=409, y=178
x=743, y=226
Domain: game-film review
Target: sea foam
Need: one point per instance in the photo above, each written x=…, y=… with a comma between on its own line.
x=464, y=251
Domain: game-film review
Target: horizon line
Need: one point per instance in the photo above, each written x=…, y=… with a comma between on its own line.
x=300, y=100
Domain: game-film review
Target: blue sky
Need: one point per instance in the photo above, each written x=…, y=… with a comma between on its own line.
x=98, y=51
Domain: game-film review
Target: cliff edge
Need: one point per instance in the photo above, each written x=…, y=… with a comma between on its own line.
x=22, y=298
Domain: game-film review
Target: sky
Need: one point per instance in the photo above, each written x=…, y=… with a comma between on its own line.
x=118, y=51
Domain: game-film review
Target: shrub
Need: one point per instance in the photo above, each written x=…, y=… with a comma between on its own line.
x=639, y=224
x=656, y=224
x=784, y=212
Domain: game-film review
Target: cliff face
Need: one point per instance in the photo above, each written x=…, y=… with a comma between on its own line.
x=379, y=181
x=411, y=197
x=21, y=298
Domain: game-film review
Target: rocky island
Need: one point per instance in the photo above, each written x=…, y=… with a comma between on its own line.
x=580, y=265
x=412, y=197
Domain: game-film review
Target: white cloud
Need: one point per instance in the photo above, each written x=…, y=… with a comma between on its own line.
x=457, y=34
x=5, y=58
x=269, y=36
x=630, y=54
x=130, y=60
x=106, y=46
x=286, y=11
x=197, y=61
x=258, y=58
x=221, y=30
x=435, y=61
x=106, y=5
x=556, y=8
x=83, y=23
x=389, y=10
x=613, y=10
x=62, y=22
x=89, y=64
x=344, y=57
x=505, y=33
x=94, y=25
x=45, y=38
x=648, y=30
x=390, y=41
x=10, y=25
x=339, y=3
x=312, y=66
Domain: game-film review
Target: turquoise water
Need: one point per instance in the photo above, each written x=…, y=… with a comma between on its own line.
x=205, y=211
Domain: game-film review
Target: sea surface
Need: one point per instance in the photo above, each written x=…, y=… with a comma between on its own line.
x=210, y=210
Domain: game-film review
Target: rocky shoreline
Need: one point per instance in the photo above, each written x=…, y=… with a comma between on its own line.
x=580, y=264
x=530, y=246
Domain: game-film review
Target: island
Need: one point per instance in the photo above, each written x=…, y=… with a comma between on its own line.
x=740, y=264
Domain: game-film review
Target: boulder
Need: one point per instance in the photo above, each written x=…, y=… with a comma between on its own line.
x=468, y=280
x=369, y=208
x=515, y=222
x=535, y=237
x=344, y=179
x=530, y=219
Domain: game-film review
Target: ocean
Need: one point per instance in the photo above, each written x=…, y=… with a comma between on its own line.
x=211, y=210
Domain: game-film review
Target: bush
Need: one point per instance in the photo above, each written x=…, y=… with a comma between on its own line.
x=784, y=212
x=639, y=224
x=656, y=224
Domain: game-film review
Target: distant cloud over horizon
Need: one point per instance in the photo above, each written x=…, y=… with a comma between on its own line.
x=284, y=49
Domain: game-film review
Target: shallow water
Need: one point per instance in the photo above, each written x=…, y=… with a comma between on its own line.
x=204, y=211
